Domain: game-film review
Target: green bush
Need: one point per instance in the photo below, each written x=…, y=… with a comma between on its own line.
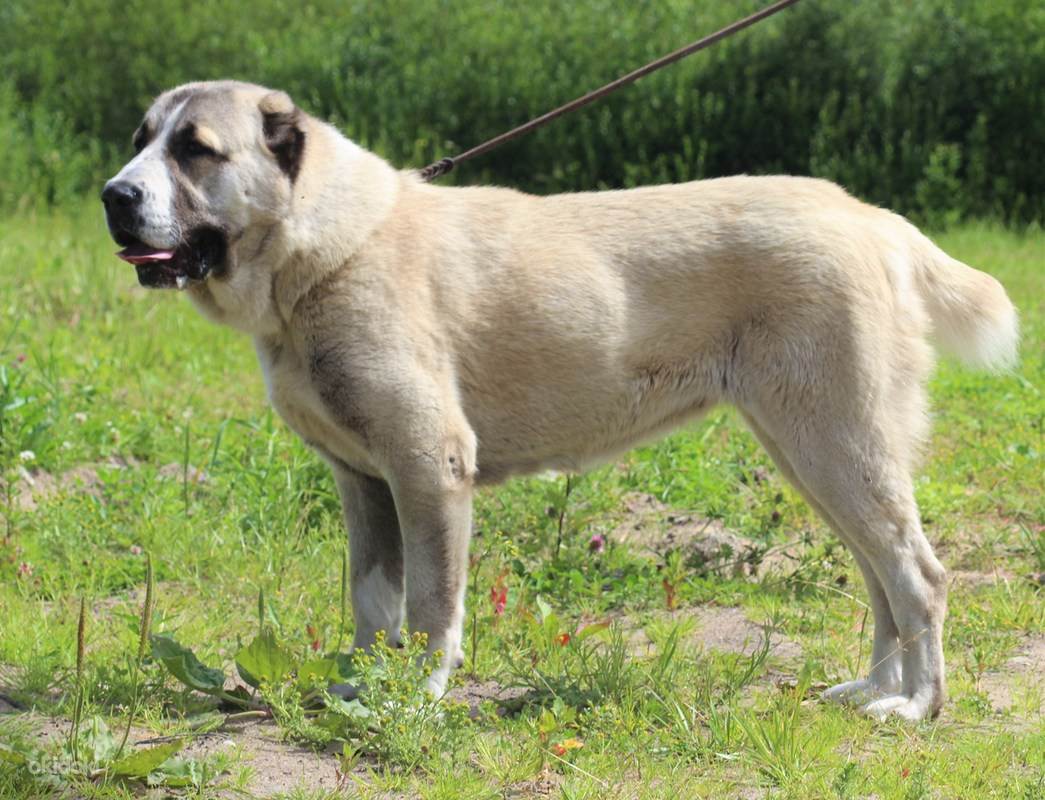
x=43, y=160
x=933, y=108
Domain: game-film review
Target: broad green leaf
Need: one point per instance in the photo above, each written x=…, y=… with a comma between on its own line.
x=546, y=723
x=183, y=665
x=349, y=708
x=264, y=661
x=346, y=715
x=97, y=740
x=178, y=772
x=238, y=693
x=142, y=762
x=350, y=672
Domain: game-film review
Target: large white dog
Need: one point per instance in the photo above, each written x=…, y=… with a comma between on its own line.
x=425, y=340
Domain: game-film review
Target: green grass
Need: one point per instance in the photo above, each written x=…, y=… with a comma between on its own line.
x=138, y=387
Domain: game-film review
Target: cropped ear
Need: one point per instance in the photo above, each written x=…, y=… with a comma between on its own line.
x=284, y=136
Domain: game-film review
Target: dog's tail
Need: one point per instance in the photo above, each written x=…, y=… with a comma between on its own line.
x=972, y=316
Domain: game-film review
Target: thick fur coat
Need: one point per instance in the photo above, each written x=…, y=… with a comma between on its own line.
x=425, y=340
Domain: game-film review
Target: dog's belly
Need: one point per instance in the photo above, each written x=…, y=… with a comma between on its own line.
x=572, y=427
x=576, y=454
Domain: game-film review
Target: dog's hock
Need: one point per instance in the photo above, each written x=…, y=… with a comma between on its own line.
x=284, y=135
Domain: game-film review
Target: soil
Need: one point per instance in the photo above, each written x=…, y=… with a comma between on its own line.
x=650, y=526
x=275, y=766
x=1024, y=671
x=725, y=629
x=36, y=485
x=475, y=694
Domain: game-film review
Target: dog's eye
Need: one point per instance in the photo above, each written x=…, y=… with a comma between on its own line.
x=141, y=138
x=195, y=148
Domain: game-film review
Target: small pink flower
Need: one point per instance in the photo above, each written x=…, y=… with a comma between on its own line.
x=597, y=543
x=135, y=550
x=499, y=596
x=20, y=358
x=25, y=569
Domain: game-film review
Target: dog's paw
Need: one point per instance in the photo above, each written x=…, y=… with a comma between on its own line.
x=899, y=705
x=436, y=683
x=857, y=693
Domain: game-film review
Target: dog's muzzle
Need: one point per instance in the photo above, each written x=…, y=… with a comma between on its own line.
x=201, y=252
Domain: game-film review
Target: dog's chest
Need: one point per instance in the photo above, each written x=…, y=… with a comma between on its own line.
x=294, y=397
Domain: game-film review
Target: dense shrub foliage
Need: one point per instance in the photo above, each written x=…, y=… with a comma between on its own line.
x=935, y=108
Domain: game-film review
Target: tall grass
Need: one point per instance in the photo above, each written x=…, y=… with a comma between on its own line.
x=934, y=108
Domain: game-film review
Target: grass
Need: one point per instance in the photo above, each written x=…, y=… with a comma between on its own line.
x=146, y=431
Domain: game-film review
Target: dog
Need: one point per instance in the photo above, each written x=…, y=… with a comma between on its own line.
x=427, y=340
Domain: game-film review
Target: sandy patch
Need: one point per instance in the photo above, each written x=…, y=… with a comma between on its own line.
x=274, y=766
x=36, y=486
x=178, y=472
x=1021, y=677
x=651, y=526
x=475, y=694
x=722, y=628
x=265, y=765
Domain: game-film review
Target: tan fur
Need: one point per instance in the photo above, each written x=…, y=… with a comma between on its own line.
x=426, y=339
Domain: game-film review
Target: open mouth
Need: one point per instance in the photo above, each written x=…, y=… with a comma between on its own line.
x=175, y=268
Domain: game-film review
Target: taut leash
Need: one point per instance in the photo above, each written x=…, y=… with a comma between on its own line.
x=444, y=165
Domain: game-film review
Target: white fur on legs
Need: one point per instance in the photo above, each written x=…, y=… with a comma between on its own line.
x=918, y=597
x=917, y=594
x=858, y=692
x=885, y=676
x=377, y=605
x=450, y=644
x=874, y=511
x=886, y=673
x=899, y=704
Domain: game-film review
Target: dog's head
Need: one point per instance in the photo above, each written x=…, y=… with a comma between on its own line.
x=215, y=166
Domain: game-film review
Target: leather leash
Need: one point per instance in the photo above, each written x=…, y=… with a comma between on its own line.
x=445, y=165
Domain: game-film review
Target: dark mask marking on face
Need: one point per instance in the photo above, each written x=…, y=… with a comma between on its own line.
x=187, y=148
x=141, y=137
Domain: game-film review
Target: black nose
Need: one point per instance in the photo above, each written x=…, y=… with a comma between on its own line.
x=121, y=195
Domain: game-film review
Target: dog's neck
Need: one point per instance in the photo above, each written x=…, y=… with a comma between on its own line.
x=331, y=216
x=340, y=197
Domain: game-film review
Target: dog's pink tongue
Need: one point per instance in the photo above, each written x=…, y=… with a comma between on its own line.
x=143, y=254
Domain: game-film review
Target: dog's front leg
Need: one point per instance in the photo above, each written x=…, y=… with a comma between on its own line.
x=375, y=556
x=433, y=496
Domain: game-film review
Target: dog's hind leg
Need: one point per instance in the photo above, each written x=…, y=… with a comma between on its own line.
x=886, y=669
x=838, y=435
